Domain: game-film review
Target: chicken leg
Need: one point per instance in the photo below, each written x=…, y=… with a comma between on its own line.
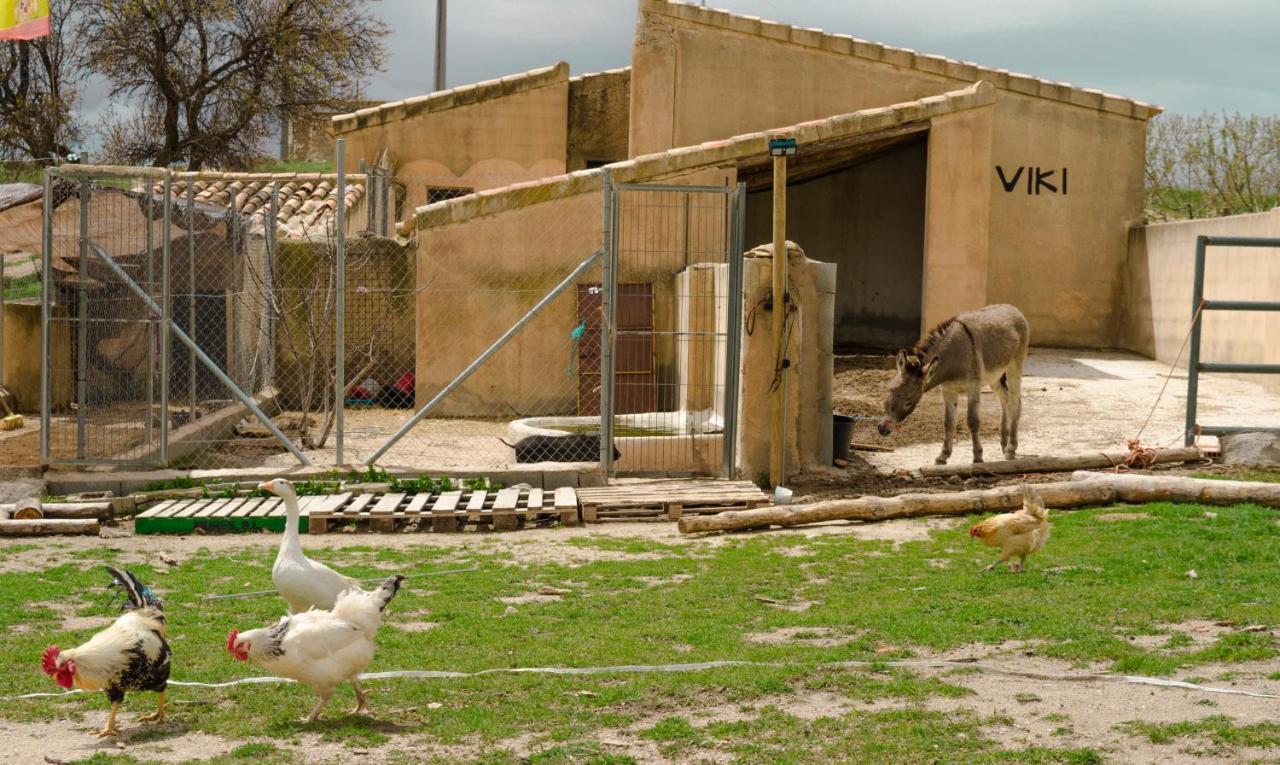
x=315, y=713
x=110, y=728
x=362, y=698
x=995, y=563
x=159, y=713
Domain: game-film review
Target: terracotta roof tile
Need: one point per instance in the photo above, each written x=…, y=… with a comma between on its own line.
x=306, y=206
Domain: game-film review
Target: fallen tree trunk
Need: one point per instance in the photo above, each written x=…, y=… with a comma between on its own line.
x=1060, y=464
x=99, y=510
x=48, y=526
x=1085, y=489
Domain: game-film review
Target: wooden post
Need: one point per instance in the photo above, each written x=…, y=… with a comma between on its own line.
x=777, y=449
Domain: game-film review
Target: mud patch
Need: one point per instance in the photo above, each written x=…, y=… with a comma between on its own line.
x=415, y=626
x=819, y=637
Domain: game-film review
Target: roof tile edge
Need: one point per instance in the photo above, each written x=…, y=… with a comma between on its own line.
x=906, y=58
x=442, y=100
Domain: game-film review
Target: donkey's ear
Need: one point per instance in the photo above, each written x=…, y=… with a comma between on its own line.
x=929, y=367
x=902, y=360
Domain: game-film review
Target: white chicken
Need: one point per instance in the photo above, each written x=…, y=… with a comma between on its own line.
x=320, y=649
x=129, y=655
x=302, y=582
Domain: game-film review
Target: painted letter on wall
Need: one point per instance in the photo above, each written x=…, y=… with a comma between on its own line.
x=23, y=19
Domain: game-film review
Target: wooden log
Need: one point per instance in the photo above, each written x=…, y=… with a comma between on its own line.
x=99, y=510
x=27, y=509
x=1058, y=464
x=48, y=526
x=1085, y=489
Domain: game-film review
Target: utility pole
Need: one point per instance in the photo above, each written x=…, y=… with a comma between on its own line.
x=441, y=11
x=780, y=149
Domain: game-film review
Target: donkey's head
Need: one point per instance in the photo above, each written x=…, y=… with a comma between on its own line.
x=906, y=389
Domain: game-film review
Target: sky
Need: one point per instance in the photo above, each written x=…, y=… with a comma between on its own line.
x=1185, y=55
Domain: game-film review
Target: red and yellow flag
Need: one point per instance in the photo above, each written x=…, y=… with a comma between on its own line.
x=23, y=19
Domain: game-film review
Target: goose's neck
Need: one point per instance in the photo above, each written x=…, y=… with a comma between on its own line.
x=291, y=539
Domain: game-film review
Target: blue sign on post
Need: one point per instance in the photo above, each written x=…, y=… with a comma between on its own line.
x=782, y=147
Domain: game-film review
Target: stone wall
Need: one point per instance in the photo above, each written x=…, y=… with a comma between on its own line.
x=599, y=108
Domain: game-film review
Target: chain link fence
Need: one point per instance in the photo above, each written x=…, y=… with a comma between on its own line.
x=194, y=321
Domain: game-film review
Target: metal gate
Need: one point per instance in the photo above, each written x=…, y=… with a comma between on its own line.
x=671, y=328
x=118, y=322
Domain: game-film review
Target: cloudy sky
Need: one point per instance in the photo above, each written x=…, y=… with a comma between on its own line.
x=1186, y=55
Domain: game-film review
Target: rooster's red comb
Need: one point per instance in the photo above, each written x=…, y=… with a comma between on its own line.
x=231, y=641
x=49, y=661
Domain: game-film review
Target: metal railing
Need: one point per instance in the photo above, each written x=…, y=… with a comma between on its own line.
x=1198, y=306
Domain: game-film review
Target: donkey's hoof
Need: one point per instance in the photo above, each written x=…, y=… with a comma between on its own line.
x=1011, y=454
x=977, y=458
x=941, y=459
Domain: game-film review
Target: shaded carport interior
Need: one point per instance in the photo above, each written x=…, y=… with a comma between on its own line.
x=858, y=202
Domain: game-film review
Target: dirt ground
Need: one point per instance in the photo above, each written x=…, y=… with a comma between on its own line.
x=1072, y=402
x=1028, y=699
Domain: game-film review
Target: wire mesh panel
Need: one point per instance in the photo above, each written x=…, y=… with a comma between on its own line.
x=487, y=333
x=673, y=298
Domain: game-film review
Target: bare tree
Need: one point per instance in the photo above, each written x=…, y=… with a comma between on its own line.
x=210, y=79
x=38, y=89
x=1212, y=165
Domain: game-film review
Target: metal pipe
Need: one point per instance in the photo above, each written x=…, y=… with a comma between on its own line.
x=82, y=330
x=479, y=361
x=733, y=349
x=1226, y=430
x=1241, y=241
x=441, y=29
x=1241, y=305
x=1193, y=361
x=166, y=300
x=269, y=282
x=670, y=187
x=340, y=317
x=240, y=395
x=46, y=295
x=608, y=335
x=1240, y=369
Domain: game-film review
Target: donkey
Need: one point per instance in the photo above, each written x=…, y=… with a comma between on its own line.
x=983, y=347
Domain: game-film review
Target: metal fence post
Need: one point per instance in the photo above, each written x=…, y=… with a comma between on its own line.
x=340, y=323
x=166, y=312
x=733, y=327
x=191, y=290
x=1193, y=368
x=46, y=295
x=608, y=290
x=150, y=246
x=269, y=280
x=82, y=312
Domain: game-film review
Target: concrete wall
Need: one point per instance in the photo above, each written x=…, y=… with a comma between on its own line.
x=869, y=220
x=508, y=133
x=704, y=75
x=1158, y=285
x=599, y=110
x=22, y=356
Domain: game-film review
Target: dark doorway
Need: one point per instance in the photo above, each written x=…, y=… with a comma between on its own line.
x=865, y=215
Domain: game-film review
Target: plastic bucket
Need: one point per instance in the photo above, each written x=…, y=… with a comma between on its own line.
x=841, y=435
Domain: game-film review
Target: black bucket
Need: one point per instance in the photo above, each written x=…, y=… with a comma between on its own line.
x=841, y=435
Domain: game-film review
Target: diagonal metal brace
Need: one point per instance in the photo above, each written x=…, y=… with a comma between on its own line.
x=209, y=363
x=479, y=361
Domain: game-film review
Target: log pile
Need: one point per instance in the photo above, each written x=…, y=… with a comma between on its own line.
x=32, y=517
x=1091, y=461
x=1085, y=489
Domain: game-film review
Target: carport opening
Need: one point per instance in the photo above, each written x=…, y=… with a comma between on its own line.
x=861, y=207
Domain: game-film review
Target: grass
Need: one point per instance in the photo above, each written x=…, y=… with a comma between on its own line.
x=1241, y=474
x=279, y=166
x=1219, y=729
x=1096, y=584
x=22, y=287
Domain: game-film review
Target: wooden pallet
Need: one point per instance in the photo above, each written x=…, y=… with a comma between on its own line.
x=669, y=499
x=451, y=511
x=501, y=510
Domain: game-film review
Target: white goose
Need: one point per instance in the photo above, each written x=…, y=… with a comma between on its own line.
x=302, y=582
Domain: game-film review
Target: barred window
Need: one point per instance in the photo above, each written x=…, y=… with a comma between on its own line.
x=441, y=193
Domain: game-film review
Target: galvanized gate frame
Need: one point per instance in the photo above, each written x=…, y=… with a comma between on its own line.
x=736, y=197
x=1198, y=306
x=161, y=310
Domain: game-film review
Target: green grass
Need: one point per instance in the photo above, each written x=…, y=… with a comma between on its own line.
x=1219, y=729
x=278, y=166
x=1096, y=584
x=22, y=287
x=1241, y=474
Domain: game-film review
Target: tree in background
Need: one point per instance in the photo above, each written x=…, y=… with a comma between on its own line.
x=38, y=81
x=1212, y=165
x=211, y=78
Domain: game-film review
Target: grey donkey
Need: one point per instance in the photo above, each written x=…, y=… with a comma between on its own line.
x=983, y=347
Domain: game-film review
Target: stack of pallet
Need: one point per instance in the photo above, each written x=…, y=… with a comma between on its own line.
x=667, y=499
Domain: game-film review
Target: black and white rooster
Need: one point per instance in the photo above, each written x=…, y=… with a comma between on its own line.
x=129, y=655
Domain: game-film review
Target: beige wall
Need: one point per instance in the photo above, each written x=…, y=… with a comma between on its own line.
x=490, y=143
x=1057, y=257
x=22, y=356
x=1158, y=285
x=1060, y=258
x=599, y=108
